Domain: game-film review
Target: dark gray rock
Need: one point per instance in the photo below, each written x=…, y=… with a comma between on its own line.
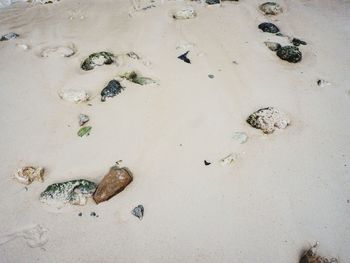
x=97, y=59
x=9, y=36
x=298, y=42
x=269, y=27
x=291, y=54
x=138, y=211
x=184, y=57
x=113, y=88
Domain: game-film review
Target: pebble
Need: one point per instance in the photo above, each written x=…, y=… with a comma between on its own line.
x=323, y=83
x=60, y=51
x=112, y=89
x=211, y=76
x=185, y=13
x=269, y=27
x=73, y=95
x=138, y=211
x=298, y=42
x=273, y=46
x=240, y=137
x=83, y=119
x=310, y=256
x=28, y=174
x=271, y=8
x=98, y=59
x=9, y=36
x=291, y=54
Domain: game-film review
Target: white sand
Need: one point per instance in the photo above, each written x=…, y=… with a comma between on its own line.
x=286, y=191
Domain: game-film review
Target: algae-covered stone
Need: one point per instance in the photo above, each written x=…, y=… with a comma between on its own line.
x=135, y=77
x=271, y=8
x=98, y=59
x=28, y=174
x=298, y=42
x=268, y=119
x=185, y=13
x=9, y=36
x=291, y=54
x=113, y=88
x=75, y=192
x=269, y=27
x=273, y=46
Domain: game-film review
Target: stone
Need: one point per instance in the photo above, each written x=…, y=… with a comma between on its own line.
x=98, y=59
x=268, y=119
x=84, y=131
x=75, y=192
x=73, y=95
x=135, y=77
x=269, y=27
x=138, y=211
x=240, y=137
x=213, y=2
x=271, y=8
x=28, y=174
x=83, y=119
x=206, y=163
x=60, y=51
x=273, y=46
x=211, y=76
x=9, y=36
x=185, y=13
x=113, y=183
x=310, y=256
x=113, y=88
x=298, y=42
x=291, y=54
x=323, y=83
x=184, y=57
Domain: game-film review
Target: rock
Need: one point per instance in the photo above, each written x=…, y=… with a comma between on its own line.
x=84, y=131
x=206, y=163
x=113, y=183
x=75, y=192
x=113, y=88
x=241, y=137
x=83, y=119
x=271, y=8
x=73, y=95
x=45, y=1
x=267, y=119
x=213, y=2
x=138, y=211
x=28, y=174
x=184, y=57
x=211, y=76
x=310, y=256
x=269, y=27
x=291, y=54
x=135, y=77
x=273, y=46
x=323, y=83
x=98, y=59
x=298, y=42
x=9, y=36
x=185, y=13
x=229, y=159
x=23, y=46
x=133, y=55
x=60, y=51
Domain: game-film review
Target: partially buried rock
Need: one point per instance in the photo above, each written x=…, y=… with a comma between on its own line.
x=136, y=77
x=213, y=2
x=271, y=8
x=73, y=95
x=185, y=13
x=98, y=59
x=323, y=83
x=9, y=36
x=310, y=256
x=28, y=174
x=113, y=88
x=113, y=183
x=291, y=54
x=138, y=211
x=268, y=119
x=83, y=119
x=298, y=42
x=269, y=27
x=75, y=192
x=60, y=51
x=273, y=46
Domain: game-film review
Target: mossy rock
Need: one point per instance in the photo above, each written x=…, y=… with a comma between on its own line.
x=289, y=53
x=98, y=59
x=269, y=28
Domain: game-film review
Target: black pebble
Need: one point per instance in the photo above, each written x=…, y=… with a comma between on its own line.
x=269, y=27
x=80, y=214
x=298, y=42
x=291, y=54
x=207, y=163
x=113, y=88
x=92, y=214
x=184, y=57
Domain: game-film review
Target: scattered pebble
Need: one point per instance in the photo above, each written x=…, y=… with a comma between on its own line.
x=28, y=174
x=84, y=131
x=211, y=76
x=269, y=27
x=60, y=51
x=98, y=59
x=323, y=83
x=213, y=2
x=241, y=137
x=112, y=89
x=83, y=119
x=267, y=119
x=185, y=13
x=184, y=57
x=207, y=163
x=310, y=256
x=138, y=211
x=230, y=159
x=298, y=42
x=9, y=36
x=289, y=53
x=80, y=214
x=113, y=183
x=92, y=214
x=73, y=95
x=273, y=46
x=75, y=192
x=133, y=55
x=271, y=8
x=135, y=77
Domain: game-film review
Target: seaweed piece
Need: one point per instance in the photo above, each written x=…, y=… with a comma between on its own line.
x=184, y=57
x=113, y=88
x=135, y=77
x=84, y=131
x=291, y=54
x=269, y=28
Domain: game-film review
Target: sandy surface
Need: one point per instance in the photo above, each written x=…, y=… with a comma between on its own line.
x=286, y=190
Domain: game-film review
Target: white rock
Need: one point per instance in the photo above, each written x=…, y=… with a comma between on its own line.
x=241, y=137
x=73, y=95
x=60, y=51
x=185, y=13
x=28, y=174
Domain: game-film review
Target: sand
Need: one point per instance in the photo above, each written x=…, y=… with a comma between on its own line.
x=285, y=190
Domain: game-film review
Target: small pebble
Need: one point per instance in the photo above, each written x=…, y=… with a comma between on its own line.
x=323, y=83
x=138, y=211
x=92, y=214
x=211, y=76
x=207, y=163
x=80, y=214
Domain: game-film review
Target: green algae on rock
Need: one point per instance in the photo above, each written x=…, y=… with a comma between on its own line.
x=84, y=131
x=291, y=54
x=98, y=59
x=75, y=192
x=271, y=8
x=135, y=77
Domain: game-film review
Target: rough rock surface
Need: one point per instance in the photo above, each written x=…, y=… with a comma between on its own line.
x=73, y=95
x=271, y=8
x=113, y=88
x=138, y=211
x=310, y=256
x=83, y=119
x=113, y=183
x=98, y=59
x=269, y=27
x=9, y=36
x=185, y=13
x=75, y=192
x=28, y=174
x=268, y=119
x=291, y=54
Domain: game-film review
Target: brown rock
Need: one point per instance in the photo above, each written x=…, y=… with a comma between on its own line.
x=113, y=183
x=310, y=256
